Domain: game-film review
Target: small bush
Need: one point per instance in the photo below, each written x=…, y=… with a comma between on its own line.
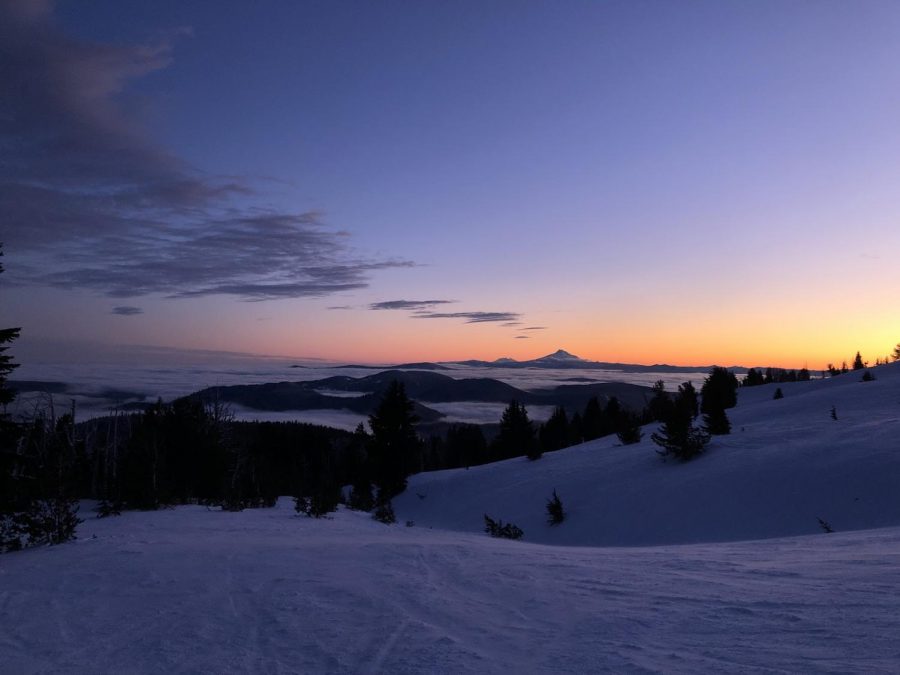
x=555, y=511
x=384, y=513
x=825, y=525
x=778, y=394
x=107, y=508
x=497, y=528
x=867, y=376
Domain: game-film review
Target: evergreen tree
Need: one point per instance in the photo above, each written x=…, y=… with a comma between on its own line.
x=716, y=422
x=678, y=436
x=868, y=376
x=384, y=512
x=555, y=511
x=719, y=390
x=516, y=435
x=896, y=353
x=629, y=429
x=395, y=446
x=778, y=394
x=465, y=446
x=753, y=378
x=660, y=405
x=12, y=501
x=858, y=363
x=687, y=396
x=554, y=433
x=592, y=421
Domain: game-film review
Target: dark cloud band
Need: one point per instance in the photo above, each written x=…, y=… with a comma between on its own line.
x=83, y=193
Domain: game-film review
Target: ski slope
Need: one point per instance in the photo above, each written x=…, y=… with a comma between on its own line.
x=785, y=465
x=189, y=590
x=716, y=565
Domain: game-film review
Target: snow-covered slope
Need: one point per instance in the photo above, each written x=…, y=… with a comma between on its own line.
x=189, y=590
x=786, y=464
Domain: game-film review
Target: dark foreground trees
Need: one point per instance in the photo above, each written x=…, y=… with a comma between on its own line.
x=395, y=448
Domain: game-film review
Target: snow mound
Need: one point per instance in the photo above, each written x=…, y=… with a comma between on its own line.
x=785, y=465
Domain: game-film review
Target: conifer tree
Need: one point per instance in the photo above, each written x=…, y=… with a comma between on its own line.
x=555, y=511
x=395, y=444
x=778, y=394
x=629, y=431
x=592, y=420
x=516, y=435
x=896, y=353
x=719, y=390
x=554, y=433
x=716, y=422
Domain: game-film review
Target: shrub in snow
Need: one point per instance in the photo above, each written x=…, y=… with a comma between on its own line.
x=629, y=431
x=825, y=525
x=868, y=376
x=678, y=436
x=384, y=513
x=497, y=528
x=51, y=521
x=320, y=503
x=833, y=413
x=778, y=394
x=555, y=511
x=108, y=508
x=361, y=498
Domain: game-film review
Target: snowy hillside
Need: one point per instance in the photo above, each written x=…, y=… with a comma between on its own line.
x=785, y=464
x=195, y=590
x=189, y=590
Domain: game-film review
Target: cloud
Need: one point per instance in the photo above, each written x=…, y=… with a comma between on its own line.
x=334, y=307
x=512, y=324
x=408, y=304
x=86, y=194
x=127, y=310
x=523, y=337
x=470, y=317
x=534, y=328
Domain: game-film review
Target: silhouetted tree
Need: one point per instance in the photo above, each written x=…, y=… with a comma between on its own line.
x=719, y=390
x=678, y=436
x=629, y=431
x=660, y=404
x=858, y=363
x=867, y=376
x=516, y=435
x=395, y=444
x=592, y=421
x=716, y=422
x=555, y=511
x=753, y=378
x=896, y=353
x=554, y=433
x=687, y=396
x=778, y=394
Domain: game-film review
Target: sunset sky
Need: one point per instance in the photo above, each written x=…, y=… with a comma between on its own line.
x=682, y=182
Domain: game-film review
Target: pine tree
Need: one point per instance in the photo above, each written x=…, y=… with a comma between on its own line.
x=678, y=436
x=516, y=435
x=688, y=397
x=555, y=511
x=554, y=433
x=778, y=394
x=395, y=444
x=716, y=422
x=858, y=363
x=896, y=353
x=719, y=390
x=629, y=429
x=592, y=421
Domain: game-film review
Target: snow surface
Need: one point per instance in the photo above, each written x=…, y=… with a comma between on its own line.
x=189, y=590
x=192, y=590
x=785, y=464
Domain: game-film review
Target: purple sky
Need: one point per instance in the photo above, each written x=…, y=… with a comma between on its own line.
x=644, y=181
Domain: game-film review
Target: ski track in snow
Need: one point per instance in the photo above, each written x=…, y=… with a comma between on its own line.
x=266, y=591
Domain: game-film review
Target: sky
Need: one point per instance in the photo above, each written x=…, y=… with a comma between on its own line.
x=689, y=183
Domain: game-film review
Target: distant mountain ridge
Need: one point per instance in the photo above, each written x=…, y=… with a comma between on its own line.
x=561, y=359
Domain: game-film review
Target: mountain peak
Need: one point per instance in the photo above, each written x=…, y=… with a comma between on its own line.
x=559, y=355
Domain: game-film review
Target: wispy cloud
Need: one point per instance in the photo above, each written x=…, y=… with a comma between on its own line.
x=470, y=317
x=409, y=304
x=336, y=307
x=85, y=193
x=127, y=310
x=523, y=337
x=534, y=328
